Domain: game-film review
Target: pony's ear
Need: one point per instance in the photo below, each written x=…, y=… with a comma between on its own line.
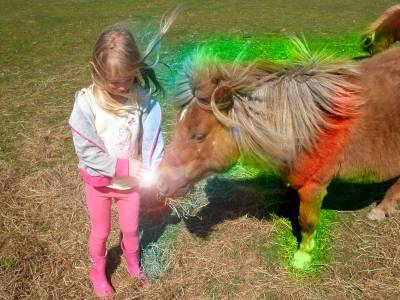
x=223, y=94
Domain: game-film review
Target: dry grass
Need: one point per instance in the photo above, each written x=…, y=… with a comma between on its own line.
x=44, y=229
x=45, y=226
x=45, y=223
x=229, y=264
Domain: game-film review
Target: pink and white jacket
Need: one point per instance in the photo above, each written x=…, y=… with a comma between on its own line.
x=97, y=166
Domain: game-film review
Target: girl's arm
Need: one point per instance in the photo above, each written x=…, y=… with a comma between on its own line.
x=96, y=165
x=97, y=159
x=153, y=142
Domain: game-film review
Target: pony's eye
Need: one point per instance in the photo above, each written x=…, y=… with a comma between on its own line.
x=198, y=137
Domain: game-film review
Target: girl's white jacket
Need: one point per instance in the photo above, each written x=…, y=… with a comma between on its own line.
x=96, y=165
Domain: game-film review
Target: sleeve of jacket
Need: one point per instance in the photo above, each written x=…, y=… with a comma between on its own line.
x=153, y=141
x=94, y=161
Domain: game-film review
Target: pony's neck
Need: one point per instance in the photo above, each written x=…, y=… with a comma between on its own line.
x=321, y=164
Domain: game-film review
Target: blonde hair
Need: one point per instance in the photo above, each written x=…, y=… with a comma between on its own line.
x=116, y=49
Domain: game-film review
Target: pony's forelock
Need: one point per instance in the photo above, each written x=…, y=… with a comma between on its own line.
x=199, y=63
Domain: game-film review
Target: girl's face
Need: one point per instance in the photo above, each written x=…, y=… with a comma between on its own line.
x=119, y=86
x=119, y=79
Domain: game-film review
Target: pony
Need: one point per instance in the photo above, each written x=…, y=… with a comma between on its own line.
x=312, y=119
x=383, y=32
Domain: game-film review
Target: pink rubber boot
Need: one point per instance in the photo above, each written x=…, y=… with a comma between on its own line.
x=132, y=261
x=101, y=287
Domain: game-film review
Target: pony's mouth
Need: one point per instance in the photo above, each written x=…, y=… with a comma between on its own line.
x=180, y=186
x=174, y=189
x=189, y=186
x=181, y=191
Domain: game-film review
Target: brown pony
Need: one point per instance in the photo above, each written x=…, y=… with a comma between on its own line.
x=383, y=32
x=312, y=119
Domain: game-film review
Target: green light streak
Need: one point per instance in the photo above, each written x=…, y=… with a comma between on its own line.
x=286, y=245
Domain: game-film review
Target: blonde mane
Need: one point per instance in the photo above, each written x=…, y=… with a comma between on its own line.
x=277, y=109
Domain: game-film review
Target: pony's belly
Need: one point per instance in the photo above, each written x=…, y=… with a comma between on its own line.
x=368, y=172
x=372, y=152
x=365, y=176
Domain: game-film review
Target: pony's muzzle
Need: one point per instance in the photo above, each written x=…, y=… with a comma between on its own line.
x=170, y=184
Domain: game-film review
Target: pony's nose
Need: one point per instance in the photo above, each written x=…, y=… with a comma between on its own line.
x=171, y=186
x=162, y=186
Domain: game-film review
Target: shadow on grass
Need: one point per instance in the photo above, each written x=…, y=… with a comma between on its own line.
x=155, y=216
x=267, y=195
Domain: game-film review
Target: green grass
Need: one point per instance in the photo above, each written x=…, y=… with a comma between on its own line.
x=7, y=263
x=155, y=254
x=286, y=244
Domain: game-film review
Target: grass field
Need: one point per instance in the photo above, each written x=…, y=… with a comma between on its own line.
x=237, y=243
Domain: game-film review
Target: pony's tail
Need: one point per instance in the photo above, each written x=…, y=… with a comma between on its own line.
x=383, y=32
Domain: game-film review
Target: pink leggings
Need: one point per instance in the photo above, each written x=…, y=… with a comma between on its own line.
x=99, y=202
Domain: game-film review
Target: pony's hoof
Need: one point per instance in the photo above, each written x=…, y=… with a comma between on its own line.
x=301, y=260
x=377, y=214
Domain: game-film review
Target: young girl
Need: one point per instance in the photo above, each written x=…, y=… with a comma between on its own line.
x=116, y=133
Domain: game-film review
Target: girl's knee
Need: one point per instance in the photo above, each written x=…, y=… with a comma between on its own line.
x=100, y=234
x=130, y=232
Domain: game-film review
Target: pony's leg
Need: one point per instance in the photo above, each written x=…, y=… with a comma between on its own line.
x=388, y=204
x=311, y=196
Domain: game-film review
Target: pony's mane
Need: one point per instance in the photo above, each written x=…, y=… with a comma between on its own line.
x=391, y=13
x=277, y=109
